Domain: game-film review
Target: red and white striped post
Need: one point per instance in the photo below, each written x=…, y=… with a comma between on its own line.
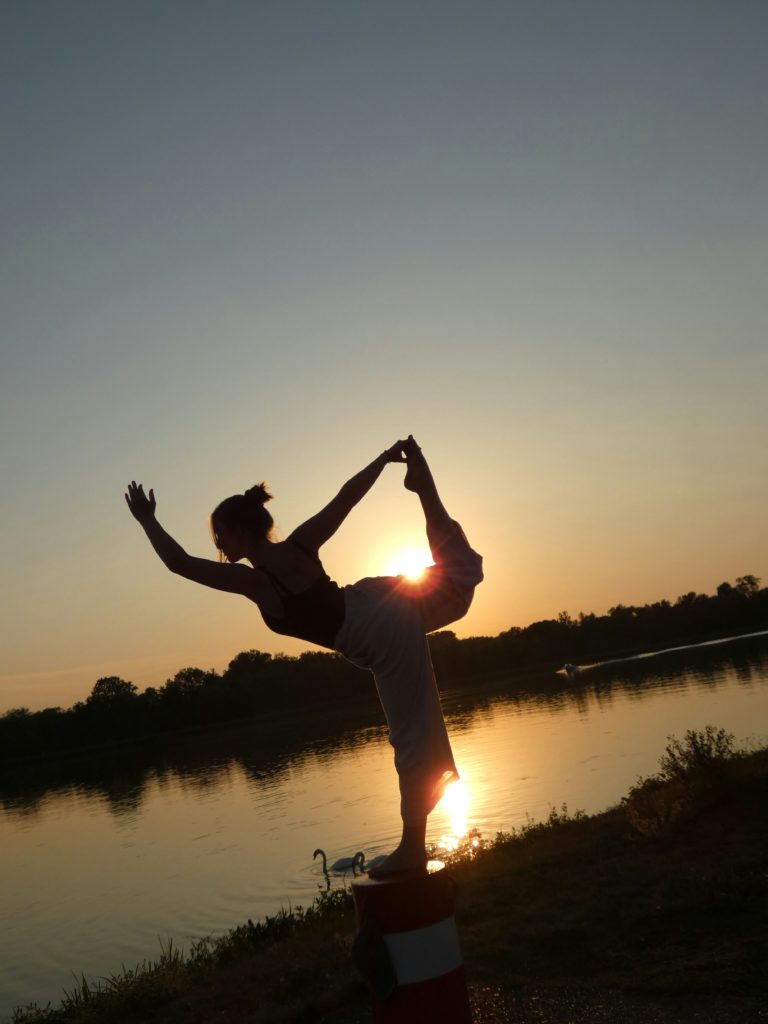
x=407, y=949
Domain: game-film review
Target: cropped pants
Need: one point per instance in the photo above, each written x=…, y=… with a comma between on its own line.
x=384, y=630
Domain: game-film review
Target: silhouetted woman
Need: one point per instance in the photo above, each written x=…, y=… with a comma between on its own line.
x=379, y=623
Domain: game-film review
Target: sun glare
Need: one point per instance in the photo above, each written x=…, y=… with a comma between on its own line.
x=456, y=801
x=409, y=562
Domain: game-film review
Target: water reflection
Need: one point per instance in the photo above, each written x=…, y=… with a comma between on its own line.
x=266, y=751
x=199, y=762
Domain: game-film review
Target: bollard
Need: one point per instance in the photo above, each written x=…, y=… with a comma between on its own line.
x=407, y=949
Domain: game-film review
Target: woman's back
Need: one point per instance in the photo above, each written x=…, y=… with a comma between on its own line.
x=302, y=601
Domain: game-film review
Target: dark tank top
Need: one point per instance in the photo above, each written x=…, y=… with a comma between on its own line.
x=315, y=614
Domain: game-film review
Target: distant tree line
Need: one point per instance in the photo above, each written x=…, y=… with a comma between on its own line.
x=256, y=682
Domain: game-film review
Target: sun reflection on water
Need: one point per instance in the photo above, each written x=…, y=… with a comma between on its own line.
x=459, y=839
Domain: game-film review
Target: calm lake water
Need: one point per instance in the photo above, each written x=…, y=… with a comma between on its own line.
x=97, y=869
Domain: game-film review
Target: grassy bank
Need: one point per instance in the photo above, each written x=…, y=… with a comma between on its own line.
x=656, y=905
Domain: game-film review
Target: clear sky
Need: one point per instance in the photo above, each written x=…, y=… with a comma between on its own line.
x=262, y=240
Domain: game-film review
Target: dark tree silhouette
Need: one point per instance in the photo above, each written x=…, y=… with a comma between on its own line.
x=111, y=689
x=747, y=586
x=256, y=683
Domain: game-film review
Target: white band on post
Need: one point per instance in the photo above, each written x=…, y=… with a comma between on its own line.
x=425, y=953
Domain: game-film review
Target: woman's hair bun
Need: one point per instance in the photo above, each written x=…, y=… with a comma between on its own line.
x=258, y=494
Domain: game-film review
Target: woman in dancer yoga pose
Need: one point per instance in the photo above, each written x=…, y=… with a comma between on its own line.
x=379, y=623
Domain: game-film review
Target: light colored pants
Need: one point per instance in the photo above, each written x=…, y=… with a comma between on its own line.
x=385, y=626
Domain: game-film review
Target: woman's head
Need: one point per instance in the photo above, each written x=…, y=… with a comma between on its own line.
x=240, y=521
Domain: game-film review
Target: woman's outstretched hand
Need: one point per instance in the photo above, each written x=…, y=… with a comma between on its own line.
x=142, y=507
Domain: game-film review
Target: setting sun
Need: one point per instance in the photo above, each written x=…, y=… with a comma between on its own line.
x=410, y=562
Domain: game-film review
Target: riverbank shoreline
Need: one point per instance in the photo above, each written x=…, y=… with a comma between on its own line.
x=652, y=911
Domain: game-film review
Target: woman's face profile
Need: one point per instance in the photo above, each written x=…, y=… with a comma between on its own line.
x=230, y=543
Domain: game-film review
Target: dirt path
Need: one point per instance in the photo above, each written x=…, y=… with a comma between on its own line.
x=490, y=1005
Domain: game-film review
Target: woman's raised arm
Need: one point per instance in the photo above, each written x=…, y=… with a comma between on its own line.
x=322, y=526
x=235, y=579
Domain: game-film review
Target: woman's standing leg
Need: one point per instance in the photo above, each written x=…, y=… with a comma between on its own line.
x=405, y=680
x=384, y=633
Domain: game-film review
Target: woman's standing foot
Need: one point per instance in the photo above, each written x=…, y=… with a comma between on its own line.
x=410, y=857
x=401, y=862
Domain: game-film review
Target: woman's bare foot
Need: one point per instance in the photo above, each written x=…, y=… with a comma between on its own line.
x=400, y=862
x=417, y=474
x=410, y=857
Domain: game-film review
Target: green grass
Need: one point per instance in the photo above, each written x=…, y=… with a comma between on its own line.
x=665, y=894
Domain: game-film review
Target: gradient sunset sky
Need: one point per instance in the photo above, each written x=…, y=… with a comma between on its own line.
x=246, y=241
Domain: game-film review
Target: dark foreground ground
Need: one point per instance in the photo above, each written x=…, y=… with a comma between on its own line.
x=655, y=912
x=492, y=1005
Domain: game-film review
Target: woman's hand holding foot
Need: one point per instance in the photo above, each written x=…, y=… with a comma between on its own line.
x=396, y=452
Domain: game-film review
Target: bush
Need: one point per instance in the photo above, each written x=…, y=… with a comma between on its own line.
x=699, y=750
x=688, y=777
x=653, y=806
